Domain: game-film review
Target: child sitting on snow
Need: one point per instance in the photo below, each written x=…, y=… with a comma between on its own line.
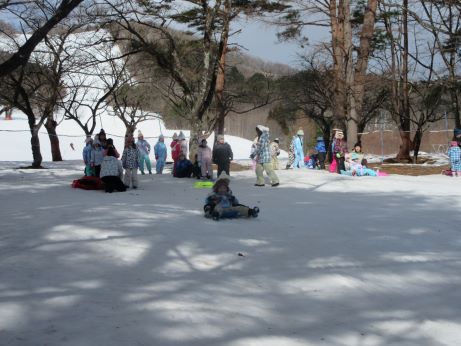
x=360, y=170
x=222, y=203
x=454, y=153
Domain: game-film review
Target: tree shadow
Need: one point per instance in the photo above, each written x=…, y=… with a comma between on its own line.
x=318, y=268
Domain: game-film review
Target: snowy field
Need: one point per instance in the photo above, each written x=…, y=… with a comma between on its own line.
x=331, y=260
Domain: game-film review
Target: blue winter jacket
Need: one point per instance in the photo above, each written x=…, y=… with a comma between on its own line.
x=320, y=146
x=87, y=154
x=160, y=151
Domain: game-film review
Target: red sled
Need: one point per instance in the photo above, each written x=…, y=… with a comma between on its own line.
x=88, y=183
x=447, y=172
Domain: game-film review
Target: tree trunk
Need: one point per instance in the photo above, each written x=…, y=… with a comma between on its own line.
x=35, y=144
x=405, y=125
x=405, y=147
x=220, y=84
x=195, y=133
x=417, y=144
x=51, y=126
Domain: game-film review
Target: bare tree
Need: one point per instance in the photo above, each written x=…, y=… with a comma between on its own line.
x=37, y=19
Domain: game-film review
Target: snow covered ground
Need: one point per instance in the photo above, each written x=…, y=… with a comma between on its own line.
x=331, y=260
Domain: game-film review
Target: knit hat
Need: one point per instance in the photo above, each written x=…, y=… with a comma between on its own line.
x=320, y=139
x=223, y=179
x=454, y=143
x=220, y=137
x=300, y=132
x=181, y=136
x=175, y=136
x=88, y=140
x=102, y=132
x=140, y=134
x=262, y=128
x=161, y=137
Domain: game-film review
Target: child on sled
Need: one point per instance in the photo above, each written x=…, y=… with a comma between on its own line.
x=221, y=203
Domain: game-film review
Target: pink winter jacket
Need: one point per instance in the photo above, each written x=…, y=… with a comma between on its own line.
x=204, y=154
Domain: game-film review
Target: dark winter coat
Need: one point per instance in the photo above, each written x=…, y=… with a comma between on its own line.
x=222, y=154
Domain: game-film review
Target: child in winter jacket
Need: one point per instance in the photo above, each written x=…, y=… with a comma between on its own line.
x=321, y=151
x=144, y=150
x=160, y=153
x=184, y=167
x=130, y=162
x=89, y=171
x=454, y=153
x=222, y=203
x=339, y=151
x=275, y=152
x=204, y=157
x=175, y=152
x=97, y=155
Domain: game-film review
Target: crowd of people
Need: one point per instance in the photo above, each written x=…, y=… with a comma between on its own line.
x=121, y=172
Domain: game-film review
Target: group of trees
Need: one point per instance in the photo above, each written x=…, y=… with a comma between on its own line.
x=395, y=56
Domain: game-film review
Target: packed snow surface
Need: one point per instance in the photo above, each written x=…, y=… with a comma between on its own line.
x=331, y=260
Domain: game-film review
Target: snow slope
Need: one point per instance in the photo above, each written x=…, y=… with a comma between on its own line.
x=331, y=260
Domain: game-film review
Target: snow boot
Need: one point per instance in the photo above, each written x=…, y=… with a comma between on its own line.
x=215, y=216
x=253, y=212
x=207, y=209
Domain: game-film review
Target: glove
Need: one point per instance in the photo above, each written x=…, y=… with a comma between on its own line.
x=338, y=155
x=252, y=156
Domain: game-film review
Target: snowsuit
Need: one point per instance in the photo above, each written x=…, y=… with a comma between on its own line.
x=89, y=171
x=275, y=152
x=204, y=157
x=130, y=161
x=111, y=174
x=263, y=153
x=226, y=205
x=222, y=156
x=339, y=151
x=454, y=153
x=160, y=153
x=144, y=150
x=298, y=151
x=175, y=152
x=183, y=169
x=97, y=155
x=321, y=152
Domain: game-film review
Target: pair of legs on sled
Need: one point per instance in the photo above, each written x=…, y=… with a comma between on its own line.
x=240, y=210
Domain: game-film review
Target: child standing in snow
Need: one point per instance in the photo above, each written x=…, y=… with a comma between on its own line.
x=222, y=203
x=130, y=162
x=144, y=150
x=204, y=160
x=160, y=153
x=454, y=153
x=89, y=171
x=97, y=155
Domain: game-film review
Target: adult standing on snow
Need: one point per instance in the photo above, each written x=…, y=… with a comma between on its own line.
x=144, y=150
x=160, y=153
x=298, y=148
x=222, y=155
x=263, y=153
